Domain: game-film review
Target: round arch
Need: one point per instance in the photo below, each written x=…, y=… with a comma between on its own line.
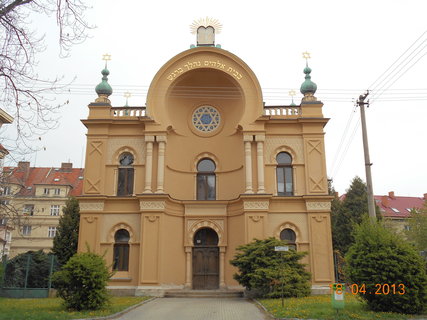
x=288, y=225
x=118, y=152
x=209, y=58
x=116, y=228
x=205, y=224
x=206, y=155
x=294, y=155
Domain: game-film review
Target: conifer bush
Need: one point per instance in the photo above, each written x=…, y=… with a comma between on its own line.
x=263, y=270
x=380, y=259
x=82, y=282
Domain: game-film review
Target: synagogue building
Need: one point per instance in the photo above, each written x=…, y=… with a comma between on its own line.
x=172, y=188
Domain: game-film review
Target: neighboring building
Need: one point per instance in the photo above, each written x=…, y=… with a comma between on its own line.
x=397, y=209
x=5, y=117
x=5, y=237
x=172, y=189
x=32, y=203
x=5, y=230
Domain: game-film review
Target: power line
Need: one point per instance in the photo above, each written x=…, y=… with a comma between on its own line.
x=371, y=86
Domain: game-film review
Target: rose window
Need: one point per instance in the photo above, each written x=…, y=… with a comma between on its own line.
x=206, y=118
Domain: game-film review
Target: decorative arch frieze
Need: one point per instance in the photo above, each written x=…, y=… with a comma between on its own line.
x=117, y=227
x=287, y=149
x=203, y=155
x=288, y=225
x=292, y=145
x=117, y=145
x=199, y=224
x=124, y=149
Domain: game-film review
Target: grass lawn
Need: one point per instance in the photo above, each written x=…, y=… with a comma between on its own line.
x=51, y=308
x=320, y=307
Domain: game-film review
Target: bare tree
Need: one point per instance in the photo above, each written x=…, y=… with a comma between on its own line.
x=22, y=92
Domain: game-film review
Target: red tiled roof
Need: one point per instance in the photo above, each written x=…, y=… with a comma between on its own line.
x=30, y=176
x=392, y=206
x=396, y=206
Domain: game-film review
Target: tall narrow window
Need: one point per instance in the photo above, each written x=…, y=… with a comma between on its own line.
x=29, y=209
x=206, y=180
x=284, y=174
x=121, y=250
x=51, y=232
x=26, y=230
x=126, y=172
x=54, y=210
x=290, y=237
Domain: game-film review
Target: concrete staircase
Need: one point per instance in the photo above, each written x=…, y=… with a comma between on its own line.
x=203, y=294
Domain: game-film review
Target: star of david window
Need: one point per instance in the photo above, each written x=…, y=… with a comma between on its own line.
x=206, y=118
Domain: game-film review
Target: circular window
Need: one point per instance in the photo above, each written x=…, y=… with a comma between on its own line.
x=206, y=118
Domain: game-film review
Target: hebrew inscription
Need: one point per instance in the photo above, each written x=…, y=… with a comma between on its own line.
x=215, y=64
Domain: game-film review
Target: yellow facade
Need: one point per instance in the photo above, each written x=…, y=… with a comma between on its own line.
x=162, y=216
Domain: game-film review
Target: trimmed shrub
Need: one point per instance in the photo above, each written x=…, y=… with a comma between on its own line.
x=82, y=281
x=263, y=270
x=379, y=258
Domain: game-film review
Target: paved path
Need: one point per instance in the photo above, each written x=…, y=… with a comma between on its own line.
x=196, y=309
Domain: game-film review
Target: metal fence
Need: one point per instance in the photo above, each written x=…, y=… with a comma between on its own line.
x=27, y=275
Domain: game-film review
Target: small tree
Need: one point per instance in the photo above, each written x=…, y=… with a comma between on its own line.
x=82, y=282
x=417, y=232
x=67, y=235
x=261, y=269
x=380, y=258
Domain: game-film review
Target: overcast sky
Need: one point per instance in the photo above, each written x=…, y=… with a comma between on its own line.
x=351, y=44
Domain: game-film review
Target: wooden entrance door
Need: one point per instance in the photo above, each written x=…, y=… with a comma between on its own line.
x=205, y=268
x=205, y=260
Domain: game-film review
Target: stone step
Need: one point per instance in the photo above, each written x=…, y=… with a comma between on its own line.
x=203, y=294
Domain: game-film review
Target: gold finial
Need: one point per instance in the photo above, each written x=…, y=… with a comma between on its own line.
x=127, y=95
x=306, y=56
x=292, y=93
x=106, y=57
x=206, y=22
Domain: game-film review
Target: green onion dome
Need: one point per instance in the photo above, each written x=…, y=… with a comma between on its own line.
x=104, y=88
x=308, y=86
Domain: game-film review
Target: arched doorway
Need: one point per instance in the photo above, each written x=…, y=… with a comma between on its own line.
x=205, y=260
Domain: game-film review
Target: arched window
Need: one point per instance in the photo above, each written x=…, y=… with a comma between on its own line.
x=289, y=236
x=285, y=185
x=121, y=250
x=206, y=180
x=126, y=172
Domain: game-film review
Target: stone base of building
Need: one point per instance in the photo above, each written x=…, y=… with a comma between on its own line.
x=181, y=291
x=317, y=290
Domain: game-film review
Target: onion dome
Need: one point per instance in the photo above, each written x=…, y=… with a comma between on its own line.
x=104, y=88
x=308, y=87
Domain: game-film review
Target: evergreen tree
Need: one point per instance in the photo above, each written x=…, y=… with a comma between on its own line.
x=266, y=271
x=67, y=234
x=38, y=273
x=349, y=213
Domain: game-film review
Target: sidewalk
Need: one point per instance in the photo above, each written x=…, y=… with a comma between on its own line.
x=196, y=309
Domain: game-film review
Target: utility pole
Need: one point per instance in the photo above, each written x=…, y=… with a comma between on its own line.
x=371, y=204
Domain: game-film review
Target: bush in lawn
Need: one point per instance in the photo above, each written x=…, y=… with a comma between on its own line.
x=381, y=257
x=261, y=269
x=82, y=281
